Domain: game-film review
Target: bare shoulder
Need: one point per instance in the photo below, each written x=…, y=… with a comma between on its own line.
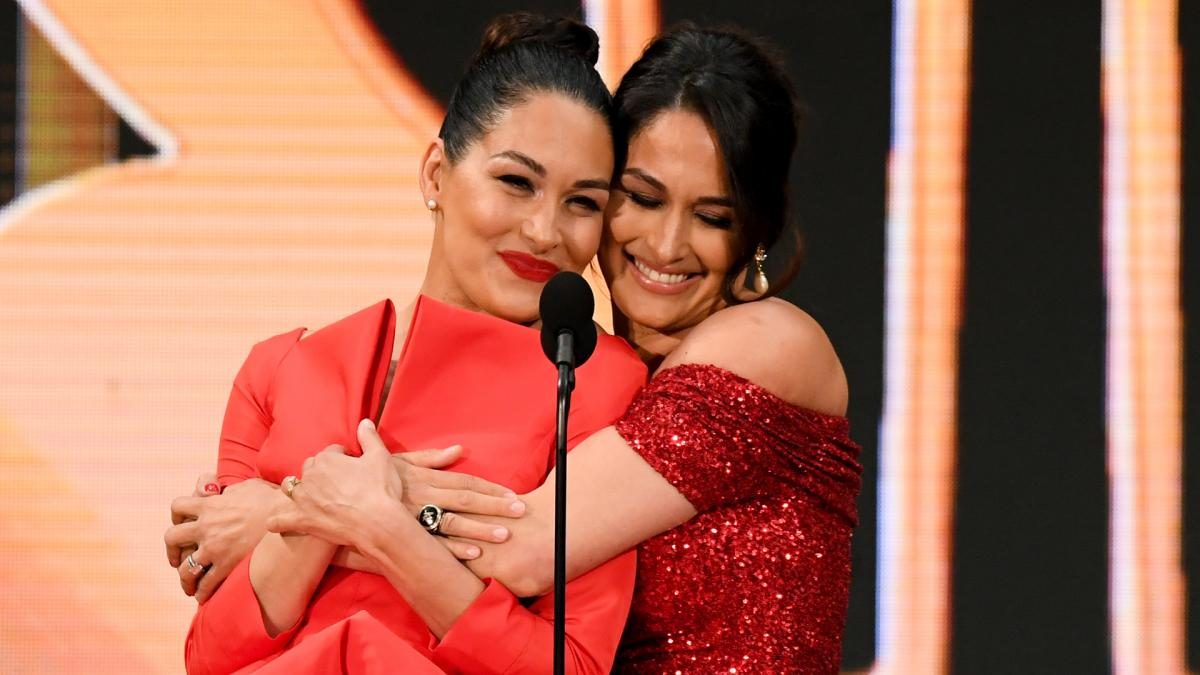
x=774, y=344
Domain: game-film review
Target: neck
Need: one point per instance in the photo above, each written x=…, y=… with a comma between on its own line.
x=438, y=283
x=652, y=345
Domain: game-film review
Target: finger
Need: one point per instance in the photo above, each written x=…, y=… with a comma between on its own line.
x=463, y=527
x=189, y=576
x=185, y=508
x=369, y=440
x=463, y=550
x=206, y=485
x=174, y=555
x=463, y=481
x=182, y=535
x=464, y=501
x=176, y=549
x=210, y=581
x=431, y=459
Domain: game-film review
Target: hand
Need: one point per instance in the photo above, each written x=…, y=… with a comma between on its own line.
x=338, y=496
x=206, y=485
x=461, y=495
x=218, y=530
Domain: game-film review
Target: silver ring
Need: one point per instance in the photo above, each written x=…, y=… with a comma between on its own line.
x=195, y=567
x=430, y=517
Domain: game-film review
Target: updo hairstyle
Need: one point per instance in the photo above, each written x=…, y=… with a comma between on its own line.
x=522, y=54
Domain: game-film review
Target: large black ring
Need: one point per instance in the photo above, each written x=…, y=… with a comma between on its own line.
x=430, y=518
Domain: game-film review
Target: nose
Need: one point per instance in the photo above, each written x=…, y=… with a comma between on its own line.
x=541, y=229
x=667, y=239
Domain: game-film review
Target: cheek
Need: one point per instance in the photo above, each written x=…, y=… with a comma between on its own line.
x=623, y=227
x=583, y=240
x=611, y=246
x=715, y=248
x=481, y=218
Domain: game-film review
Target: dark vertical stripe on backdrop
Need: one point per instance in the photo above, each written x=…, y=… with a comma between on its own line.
x=1030, y=579
x=840, y=57
x=1189, y=39
x=9, y=46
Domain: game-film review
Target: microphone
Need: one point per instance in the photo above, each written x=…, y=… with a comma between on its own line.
x=568, y=334
x=568, y=340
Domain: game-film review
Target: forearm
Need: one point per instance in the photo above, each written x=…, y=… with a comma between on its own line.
x=284, y=573
x=605, y=522
x=427, y=576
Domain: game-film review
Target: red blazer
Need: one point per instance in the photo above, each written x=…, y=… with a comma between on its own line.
x=463, y=377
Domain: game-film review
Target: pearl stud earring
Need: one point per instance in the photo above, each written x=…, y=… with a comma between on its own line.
x=431, y=204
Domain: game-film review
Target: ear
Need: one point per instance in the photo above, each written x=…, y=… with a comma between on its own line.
x=432, y=165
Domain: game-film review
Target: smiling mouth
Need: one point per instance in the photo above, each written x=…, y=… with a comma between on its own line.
x=654, y=276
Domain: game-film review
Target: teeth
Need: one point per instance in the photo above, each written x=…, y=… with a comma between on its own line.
x=654, y=275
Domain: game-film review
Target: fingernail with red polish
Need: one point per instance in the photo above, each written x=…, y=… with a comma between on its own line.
x=212, y=488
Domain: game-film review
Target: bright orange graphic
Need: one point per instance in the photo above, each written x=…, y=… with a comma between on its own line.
x=1145, y=335
x=284, y=195
x=918, y=431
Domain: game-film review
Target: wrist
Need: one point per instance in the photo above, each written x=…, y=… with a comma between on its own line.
x=386, y=523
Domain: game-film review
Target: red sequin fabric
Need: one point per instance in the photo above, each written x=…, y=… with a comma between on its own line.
x=758, y=581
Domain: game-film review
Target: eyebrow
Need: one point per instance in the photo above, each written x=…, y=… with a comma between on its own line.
x=658, y=185
x=593, y=183
x=536, y=167
x=522, y=158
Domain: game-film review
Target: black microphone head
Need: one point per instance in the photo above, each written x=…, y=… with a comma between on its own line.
x=567, y=305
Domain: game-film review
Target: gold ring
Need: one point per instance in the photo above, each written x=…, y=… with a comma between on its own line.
x=289, y=485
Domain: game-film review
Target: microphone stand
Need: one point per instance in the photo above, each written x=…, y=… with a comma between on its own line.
x=566, y=384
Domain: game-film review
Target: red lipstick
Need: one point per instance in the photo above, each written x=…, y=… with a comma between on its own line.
x=528, y=267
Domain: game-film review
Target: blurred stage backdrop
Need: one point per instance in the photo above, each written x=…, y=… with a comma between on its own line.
x=1000, y=203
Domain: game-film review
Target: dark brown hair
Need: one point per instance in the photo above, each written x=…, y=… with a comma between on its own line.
x=521, y=54
x=737, y=83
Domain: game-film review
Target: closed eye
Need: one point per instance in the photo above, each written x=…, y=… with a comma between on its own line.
x=586, y=202
x=722, y=222
x=520, y=182
x=643, y=200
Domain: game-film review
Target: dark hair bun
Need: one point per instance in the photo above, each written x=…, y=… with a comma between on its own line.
x=567, y=34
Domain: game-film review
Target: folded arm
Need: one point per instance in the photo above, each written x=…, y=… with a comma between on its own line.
x=353, y=501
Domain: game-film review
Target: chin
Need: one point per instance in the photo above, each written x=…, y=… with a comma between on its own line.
x=644, y=311
x=519, y=305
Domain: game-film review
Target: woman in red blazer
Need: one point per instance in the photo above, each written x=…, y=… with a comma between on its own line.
x=509, y=210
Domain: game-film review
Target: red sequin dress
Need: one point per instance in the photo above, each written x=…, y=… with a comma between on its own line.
x=758, y=581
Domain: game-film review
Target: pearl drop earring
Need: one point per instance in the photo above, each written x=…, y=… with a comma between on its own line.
x=760, y=276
